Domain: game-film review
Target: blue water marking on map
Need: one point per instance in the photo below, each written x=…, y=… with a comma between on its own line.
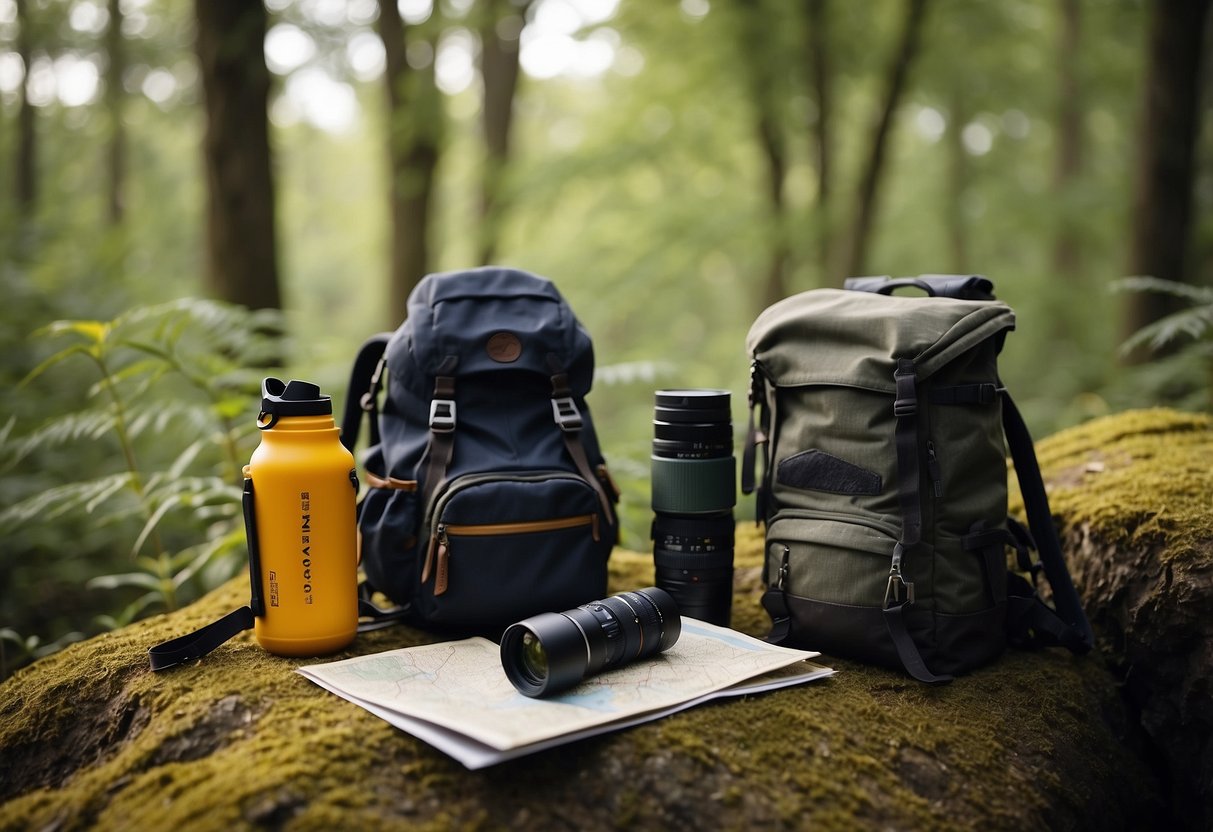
x=597, y=698
x=689, y=626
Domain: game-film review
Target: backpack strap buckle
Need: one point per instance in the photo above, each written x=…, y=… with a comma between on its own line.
x=566, y=414
x=442, y=415
x=893, y=591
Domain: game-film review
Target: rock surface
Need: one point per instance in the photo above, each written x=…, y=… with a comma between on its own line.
x=1133, y=495
x=89, y=737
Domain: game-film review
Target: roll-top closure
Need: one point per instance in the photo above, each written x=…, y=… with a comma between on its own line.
x=862, y=336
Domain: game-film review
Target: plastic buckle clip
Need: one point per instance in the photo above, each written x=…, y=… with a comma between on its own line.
x=905, y=407
x=442, y=415
x=566, y=414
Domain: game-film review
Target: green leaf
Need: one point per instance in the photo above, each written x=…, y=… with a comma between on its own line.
x=62, y=355
x=136, y=579
x=152, y=522
x=95, y=332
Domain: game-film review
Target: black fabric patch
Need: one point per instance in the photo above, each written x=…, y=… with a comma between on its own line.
x=818, y=471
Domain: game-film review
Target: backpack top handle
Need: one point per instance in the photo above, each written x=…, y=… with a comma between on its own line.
x=958, y=286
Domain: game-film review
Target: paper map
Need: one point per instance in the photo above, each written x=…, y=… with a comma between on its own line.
x=455, y=696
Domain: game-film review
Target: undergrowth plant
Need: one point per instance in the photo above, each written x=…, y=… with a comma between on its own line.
x=1181, y=342
x=175, y=397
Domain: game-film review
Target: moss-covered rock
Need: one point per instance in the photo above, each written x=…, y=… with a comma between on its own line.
x=1133, y=495
x=90, y=737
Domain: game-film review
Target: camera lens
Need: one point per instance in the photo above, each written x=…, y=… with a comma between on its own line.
x=551, y=651
x=694, y=490
x=693, y=468
x=693, y=558
x=534, y=658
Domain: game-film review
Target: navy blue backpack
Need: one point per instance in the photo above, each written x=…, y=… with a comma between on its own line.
x=487, y=496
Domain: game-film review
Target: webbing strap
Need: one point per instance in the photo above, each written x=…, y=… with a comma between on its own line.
x=900, y=592
x=568, y=418
x=907, y=650
x=373, y=617
x=442, y=430
x=197, y=644
x=363, y=392
x=776, y=605
x=1078, y=636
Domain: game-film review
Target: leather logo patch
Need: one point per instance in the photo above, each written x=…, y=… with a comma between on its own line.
x=504, y=347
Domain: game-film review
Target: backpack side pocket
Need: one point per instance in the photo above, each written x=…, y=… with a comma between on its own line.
x=387, y=538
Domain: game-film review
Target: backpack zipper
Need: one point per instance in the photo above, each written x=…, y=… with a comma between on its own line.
x=439, y=549
x=933, y=470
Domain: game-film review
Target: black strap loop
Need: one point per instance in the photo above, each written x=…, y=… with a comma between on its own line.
x=197, y=644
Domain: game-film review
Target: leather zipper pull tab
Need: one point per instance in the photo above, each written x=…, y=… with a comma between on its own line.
x=442, y=578
x=429, y=553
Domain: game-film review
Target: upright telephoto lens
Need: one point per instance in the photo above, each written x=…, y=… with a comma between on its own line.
x=553, y=651
x=694, y=475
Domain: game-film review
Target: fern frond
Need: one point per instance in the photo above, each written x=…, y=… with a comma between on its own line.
x=1195, y=323
x=73, y=427
x=55, y=502
x=1174, y=288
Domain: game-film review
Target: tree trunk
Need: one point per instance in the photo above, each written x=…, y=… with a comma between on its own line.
x=242, y=256
x=819, y=83
x=499, y=45
x=866, y=206
x=414, y=131
x=25, y=177
x=115, y=98
x=771, y=142
x=1170, y=123
x=1069, y=141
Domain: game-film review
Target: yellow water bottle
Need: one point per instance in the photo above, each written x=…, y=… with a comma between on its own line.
x=300, y=494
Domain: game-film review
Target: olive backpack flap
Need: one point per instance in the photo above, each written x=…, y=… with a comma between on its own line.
x=487, y=496
x=884, y=431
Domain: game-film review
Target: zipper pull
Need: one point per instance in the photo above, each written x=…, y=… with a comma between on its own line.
x=442, y=577
x=429, y=553
x=781, y=583
x=898, y=591
x=933, y=469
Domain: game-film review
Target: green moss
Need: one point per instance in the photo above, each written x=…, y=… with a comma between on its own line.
x=90, y=737
x=1139, y=477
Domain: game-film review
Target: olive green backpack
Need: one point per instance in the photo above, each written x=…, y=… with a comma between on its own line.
x=884, y=432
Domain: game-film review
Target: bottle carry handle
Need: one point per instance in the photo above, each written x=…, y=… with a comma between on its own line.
x=197, y=644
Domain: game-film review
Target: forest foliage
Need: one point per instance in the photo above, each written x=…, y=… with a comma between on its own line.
x=672, y=166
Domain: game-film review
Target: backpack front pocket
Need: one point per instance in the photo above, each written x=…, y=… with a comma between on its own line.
x=824, y=557
x=506, y=546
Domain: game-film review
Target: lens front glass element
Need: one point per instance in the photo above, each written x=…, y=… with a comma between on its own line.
x=534, y=658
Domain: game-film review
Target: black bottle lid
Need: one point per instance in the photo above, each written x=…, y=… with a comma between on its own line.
x=294, y=398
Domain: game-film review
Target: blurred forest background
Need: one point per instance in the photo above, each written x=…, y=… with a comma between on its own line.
x=191, y=193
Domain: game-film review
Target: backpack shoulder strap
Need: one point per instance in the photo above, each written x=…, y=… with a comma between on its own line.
x=363, y=392
x=1076, y=633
